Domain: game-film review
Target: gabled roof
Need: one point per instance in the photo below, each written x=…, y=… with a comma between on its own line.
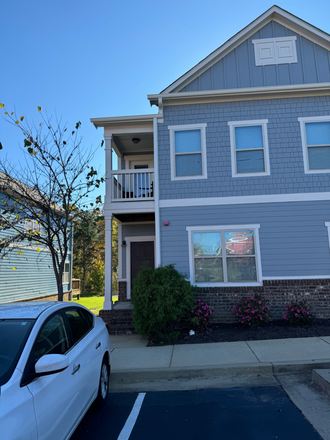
x=274, y=13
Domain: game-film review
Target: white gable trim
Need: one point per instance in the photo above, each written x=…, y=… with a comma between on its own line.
x=274, y=13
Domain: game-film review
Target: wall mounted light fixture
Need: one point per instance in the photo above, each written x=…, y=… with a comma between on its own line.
x=123, y=243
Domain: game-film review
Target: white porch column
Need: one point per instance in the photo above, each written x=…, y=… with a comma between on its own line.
x=156, y=194
x=107, y=305
x=108, y=265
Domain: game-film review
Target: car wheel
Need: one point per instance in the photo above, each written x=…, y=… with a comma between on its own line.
x=103, y=384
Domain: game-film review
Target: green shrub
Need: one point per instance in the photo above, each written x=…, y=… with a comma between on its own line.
x=252, y=311
x=299, y=313
x=162, y=299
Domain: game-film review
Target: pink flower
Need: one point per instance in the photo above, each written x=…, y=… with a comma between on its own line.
x=284, y=317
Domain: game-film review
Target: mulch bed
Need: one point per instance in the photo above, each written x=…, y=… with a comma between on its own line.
x=237, y=332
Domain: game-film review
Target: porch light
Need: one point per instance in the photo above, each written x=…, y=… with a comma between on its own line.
x=135, y=140
x=124, y=243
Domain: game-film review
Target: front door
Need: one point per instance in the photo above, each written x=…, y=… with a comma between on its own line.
x=141, y=252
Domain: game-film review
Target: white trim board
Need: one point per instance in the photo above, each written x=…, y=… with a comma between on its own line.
x=245, y=200
x=129, y=240
x=298, y=277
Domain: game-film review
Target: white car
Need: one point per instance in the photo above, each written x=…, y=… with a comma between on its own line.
x=54, y=363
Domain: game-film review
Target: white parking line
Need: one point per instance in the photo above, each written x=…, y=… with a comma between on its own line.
x=130, y=422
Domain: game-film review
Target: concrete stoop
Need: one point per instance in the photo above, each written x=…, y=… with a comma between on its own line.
x=321, y=378
x=118, y=321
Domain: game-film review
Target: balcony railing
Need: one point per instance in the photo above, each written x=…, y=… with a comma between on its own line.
x=129, y=185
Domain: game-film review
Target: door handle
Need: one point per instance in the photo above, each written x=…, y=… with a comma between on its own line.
x=75, y=369
x=98, y=345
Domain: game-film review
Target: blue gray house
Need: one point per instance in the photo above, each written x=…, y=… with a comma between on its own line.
x=230, y=180
x=26, y=273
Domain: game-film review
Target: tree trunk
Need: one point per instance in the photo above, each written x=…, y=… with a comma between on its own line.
x=59, y=288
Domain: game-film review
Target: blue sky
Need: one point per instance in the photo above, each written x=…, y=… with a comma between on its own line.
x=83, y=59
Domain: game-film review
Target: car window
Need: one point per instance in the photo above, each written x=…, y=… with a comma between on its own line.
x=14, y=334
x=78, y=324
x=52, y=338
x=89, y=317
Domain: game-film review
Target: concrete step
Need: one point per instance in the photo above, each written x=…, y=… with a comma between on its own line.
x=321, y=378
x=120, y=329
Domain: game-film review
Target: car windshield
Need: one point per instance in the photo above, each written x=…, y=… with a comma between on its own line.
x=13, y=336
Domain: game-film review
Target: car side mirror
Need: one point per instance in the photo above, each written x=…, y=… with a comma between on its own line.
x=51, y=364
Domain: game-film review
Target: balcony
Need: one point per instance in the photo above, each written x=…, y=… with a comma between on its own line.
x=132, y=185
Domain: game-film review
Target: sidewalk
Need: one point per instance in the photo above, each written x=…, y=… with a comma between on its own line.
x=132, y=361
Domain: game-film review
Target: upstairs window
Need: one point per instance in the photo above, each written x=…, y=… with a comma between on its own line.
x=31, y=226
x=249, y=148
x=315, y=135
x=188, y=152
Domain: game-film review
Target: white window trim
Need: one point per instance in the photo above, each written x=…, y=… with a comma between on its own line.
x=128, y=258
x=302, y=122
x=66, y=273
x=327, y=225
x=35, y=226
x=263, y=123
x=275, y=43
x=255, y=227
x=173, y=129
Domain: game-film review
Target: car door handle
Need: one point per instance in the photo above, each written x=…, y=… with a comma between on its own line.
x=75, y=369
x=98, y=345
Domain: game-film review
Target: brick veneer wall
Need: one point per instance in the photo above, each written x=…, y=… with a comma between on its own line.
x=279, y=293
x=53, y=297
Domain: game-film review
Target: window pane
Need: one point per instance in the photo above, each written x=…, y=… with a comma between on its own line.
x=52, y=339
x=207, y=243
x=250, y=161
x=239, y=243
x=188, y=141
x=248, y=137
x=319, y=158
x=188, y=165
x=208, y=270
x=241, y=269
x=79, y=326
x=318, y=133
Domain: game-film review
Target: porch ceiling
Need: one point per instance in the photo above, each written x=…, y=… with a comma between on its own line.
x=126, y=146
x=133, y=217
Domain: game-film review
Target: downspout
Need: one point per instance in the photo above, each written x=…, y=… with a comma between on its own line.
x=156, y=189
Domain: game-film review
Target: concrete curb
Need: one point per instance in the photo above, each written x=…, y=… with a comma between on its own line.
x=148, y=375
x=321, y=378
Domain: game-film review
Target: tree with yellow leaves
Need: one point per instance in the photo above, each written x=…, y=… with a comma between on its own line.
x=46, y=195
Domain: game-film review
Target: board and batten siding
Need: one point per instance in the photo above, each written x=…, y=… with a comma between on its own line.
x=293, y=236
x=136, y=230
x=287, y=173
x=237, y=69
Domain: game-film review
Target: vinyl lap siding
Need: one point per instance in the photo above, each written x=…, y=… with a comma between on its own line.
x=293, y=237
x=33, y=277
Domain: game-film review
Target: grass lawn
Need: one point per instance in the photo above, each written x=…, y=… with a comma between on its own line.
x=93, y=303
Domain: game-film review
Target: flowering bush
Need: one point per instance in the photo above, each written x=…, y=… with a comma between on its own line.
x=252, y=311
x=201, y=314
x=299, y=313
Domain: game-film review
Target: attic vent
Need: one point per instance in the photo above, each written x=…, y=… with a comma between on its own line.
x=275, y=51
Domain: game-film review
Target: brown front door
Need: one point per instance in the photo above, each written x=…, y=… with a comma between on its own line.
x=141, y=252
